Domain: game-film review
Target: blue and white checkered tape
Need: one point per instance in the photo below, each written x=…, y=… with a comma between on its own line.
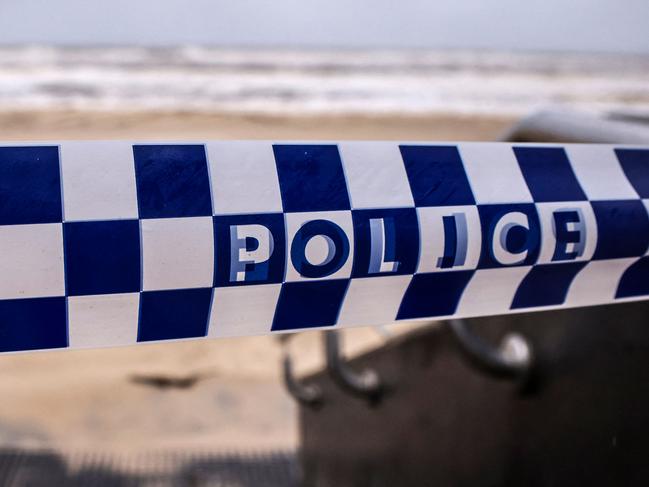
x=113, y=243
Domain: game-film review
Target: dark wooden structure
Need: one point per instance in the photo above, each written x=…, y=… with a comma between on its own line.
x=582, y=420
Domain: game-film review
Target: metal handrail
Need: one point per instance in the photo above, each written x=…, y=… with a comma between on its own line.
x=513, y=359
x=365, y=384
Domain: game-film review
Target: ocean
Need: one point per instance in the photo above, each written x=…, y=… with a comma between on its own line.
x=320, y=82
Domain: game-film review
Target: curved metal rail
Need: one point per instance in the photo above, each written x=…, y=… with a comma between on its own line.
x=512, y=359
x=307, y=394
x=365, y=384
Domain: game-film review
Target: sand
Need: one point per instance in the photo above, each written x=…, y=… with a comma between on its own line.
x=210, y=394
x=181, y=126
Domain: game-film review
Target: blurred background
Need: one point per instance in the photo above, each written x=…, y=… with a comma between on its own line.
x=322, y=69
x=200, y=69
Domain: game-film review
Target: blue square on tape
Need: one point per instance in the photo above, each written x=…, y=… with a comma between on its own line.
x=33, y=324
x=634, y=282
x=249, y=249
x=433, y=294
x=311, y=178
x=172, y=181
x=546, y=285
x=102, y=257
x=548, y=174
x=622, y=229
x=30, y=185
x=309, y=304
x=174, y=314
x=386, y=242
x=635, y=164
x=511, y=235
x=436, y=175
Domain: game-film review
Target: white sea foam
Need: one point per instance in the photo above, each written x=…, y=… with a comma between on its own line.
x=319, y=82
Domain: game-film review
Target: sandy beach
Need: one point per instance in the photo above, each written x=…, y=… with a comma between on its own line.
x=63, y=125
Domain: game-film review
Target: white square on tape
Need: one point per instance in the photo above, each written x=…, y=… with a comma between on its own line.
x=318, y=249
x=376, y=176
x=597, y=282
x=31, y=261
x=491, y=291
x=98, y=181
x=599, y=172
x=494, y=173
x=177, y=253
x=585, y=228
x=373, y=300
x=243, y=178
x=243, y=310
x=105, y=319
x=468, y=237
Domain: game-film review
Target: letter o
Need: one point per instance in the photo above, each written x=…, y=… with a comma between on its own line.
x=336, y=239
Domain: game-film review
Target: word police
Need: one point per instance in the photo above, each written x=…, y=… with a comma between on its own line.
x=267, y=248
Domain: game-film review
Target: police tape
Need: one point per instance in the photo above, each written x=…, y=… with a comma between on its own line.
x=113, y=243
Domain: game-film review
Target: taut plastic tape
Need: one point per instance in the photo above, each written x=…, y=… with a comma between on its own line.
x=113, y=243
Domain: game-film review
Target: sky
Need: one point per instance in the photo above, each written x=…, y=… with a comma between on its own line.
x=568, y=25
